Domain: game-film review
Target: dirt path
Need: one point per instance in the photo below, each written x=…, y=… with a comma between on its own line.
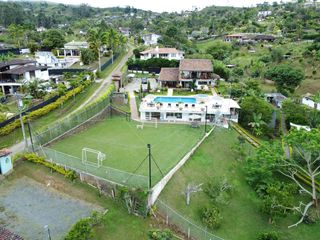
x=133, y=107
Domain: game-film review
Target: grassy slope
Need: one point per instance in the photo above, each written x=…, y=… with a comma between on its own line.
x=243, y=58
x=242, y=218
x=117, y=224
x=125, y=146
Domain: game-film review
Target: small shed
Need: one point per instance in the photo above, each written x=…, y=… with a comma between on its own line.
x=5, y=161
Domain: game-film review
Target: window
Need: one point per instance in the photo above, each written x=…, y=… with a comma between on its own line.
x=7, y=160
x=173, y=55
x=176, y=115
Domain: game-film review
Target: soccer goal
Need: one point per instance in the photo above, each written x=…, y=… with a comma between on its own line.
x=92, y=157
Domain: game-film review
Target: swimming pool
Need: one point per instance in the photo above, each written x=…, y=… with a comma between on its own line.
x=175, y=99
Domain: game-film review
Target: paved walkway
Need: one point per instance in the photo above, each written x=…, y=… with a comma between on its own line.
x=214, y=93
x=133, y=107
x=170, y=92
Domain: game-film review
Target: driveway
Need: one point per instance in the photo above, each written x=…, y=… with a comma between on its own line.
x=134, y=85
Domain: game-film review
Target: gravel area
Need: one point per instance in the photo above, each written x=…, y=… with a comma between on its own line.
x=26, y=206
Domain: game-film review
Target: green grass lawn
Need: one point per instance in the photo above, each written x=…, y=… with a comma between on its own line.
x=242, y=218
x=125, y=146
x=117, y=224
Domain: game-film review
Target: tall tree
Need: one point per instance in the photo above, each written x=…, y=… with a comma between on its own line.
x=113, y=40
x=304, y=161
x=97, y=39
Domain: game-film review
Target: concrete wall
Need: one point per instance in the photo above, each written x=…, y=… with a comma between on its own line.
x=157, y=189
x=5, y=164
x=310, y=103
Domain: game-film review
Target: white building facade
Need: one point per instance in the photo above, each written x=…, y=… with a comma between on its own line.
x=167, y=53
x=150, y=39
x=188, y=109
x=308, y=101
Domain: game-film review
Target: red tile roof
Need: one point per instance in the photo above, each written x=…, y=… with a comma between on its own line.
x=161, y=51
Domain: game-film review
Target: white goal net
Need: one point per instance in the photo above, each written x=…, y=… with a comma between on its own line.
x=92, y=157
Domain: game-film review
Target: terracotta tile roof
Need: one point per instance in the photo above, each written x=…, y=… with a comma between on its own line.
x=4, y=152
x=169, y=74
x=204, y=65
x=161, y=51
x=7, y=235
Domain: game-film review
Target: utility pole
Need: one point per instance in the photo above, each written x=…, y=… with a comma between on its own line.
x=205, y=121
x=20, y=107
x=30, y=134
x=149, y=156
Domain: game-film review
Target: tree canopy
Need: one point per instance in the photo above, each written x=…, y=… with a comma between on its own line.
x=286, y=77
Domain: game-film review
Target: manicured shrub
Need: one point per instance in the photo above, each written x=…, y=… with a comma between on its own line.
x=40, y=160
x=44, y=110
x=160, y=235
x=211, y=217
x=268, y=236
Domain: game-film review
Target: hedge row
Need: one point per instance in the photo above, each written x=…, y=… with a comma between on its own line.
x=40, y=160
x=44, y=110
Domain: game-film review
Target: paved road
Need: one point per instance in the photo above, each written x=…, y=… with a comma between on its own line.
x=19, y=147
x=105, y=82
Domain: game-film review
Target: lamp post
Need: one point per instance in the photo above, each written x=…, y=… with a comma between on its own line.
x=46, y=228
x=20, y=107
x=205, y=120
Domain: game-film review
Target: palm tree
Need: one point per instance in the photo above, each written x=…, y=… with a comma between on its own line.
x=112, y=40
x=257, y=123
x=96, y=39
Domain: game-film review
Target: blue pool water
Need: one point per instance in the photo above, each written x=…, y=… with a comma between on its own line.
x=175, y=99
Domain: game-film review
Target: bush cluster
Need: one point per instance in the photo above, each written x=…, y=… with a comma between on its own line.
x=70, y=174
x=44, y=110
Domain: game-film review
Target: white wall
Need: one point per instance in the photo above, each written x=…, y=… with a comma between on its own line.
x=310, y=103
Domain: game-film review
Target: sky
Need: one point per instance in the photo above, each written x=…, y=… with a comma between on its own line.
x=166, y=5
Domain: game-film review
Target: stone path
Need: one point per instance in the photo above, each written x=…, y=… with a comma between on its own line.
x=133, y=107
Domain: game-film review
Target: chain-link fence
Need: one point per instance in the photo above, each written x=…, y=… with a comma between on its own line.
x=71, y=122
x=109, y=174
x=191, y=230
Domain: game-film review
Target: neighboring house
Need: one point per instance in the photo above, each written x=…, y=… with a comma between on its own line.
x=264, y=38
x=2, y=29
x=150, y=39
x=235, y=37
x=264, y=14
x=125, y=31
x=308, y=101
x=72, y=49
x=49, y=60
x=15, y=73
x=41, y=29
x=191, y=73
x=189, y=109
x=275, y=98
x=5, y=162
x=167, y=53
x=248, y=37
